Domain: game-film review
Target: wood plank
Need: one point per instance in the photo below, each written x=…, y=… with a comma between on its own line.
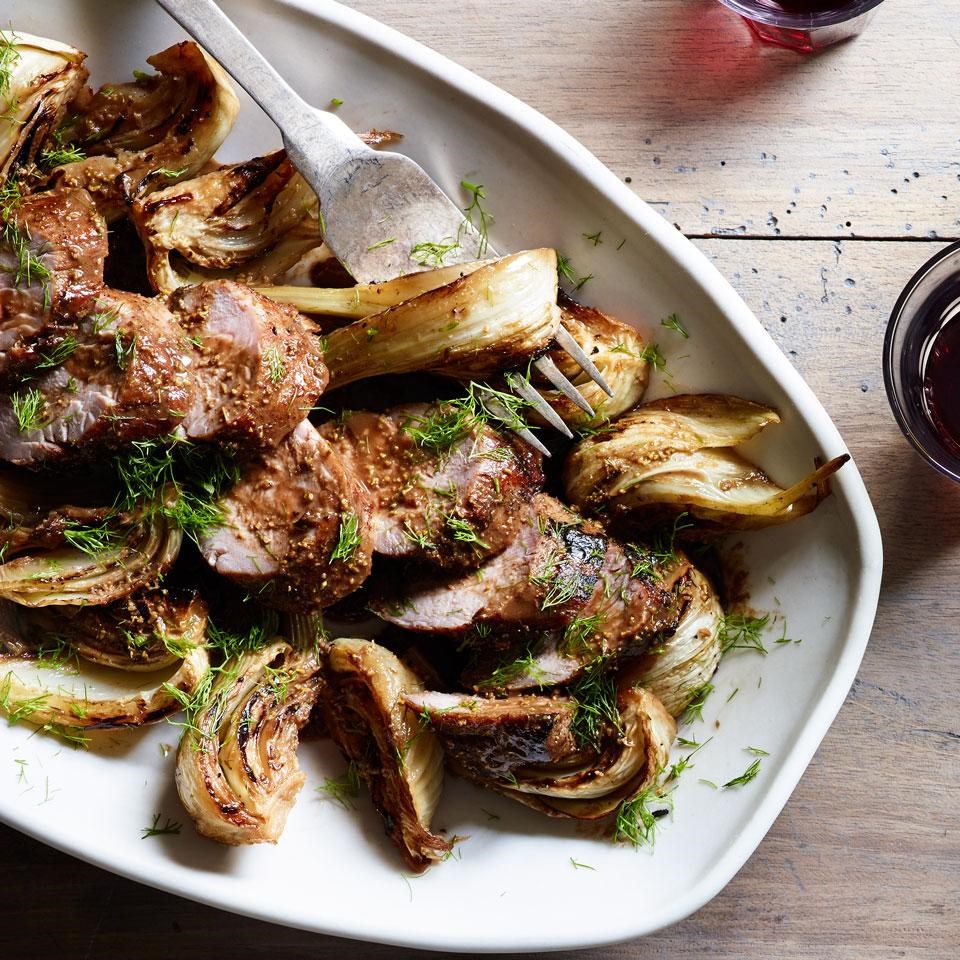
x=864, y=862
x=725, y=136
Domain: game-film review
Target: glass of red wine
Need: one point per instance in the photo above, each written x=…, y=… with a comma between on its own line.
x=921, y=361
x=805, y=25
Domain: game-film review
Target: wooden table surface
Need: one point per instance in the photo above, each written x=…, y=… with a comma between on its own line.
x=817, y=186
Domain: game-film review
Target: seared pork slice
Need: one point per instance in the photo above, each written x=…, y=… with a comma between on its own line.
x=260, y=367
x=123, y=377
x=52, y=248
x=626, y=612
x=296, y=528
x=452, y=508
x=544, y=753
x=544, y=577
x=496, y=738
x=624, y=617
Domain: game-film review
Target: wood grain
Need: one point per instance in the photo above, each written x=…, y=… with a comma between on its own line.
x=724, y=136
x=864, y=862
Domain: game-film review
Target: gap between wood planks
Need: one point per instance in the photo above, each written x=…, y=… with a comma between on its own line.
x=832, y=238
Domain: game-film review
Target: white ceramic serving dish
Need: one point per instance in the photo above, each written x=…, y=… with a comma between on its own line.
x=514, y=887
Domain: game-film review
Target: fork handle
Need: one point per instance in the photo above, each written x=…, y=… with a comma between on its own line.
x=307, y=132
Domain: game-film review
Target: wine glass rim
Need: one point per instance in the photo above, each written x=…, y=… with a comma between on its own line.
x=784, y=18
x=941, y=459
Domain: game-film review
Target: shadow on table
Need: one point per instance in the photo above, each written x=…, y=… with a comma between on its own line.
x=919, y=519
x=711, y=64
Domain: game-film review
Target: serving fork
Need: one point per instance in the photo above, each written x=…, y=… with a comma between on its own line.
x=364, y=193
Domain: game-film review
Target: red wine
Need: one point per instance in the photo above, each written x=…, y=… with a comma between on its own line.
x=807, y=6
x=941, y=383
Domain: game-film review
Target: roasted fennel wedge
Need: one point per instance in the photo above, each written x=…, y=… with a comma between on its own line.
x=131, y=558
x=620, y=354
x=44, y=76
x=678, y=455
x=43, y=681
x=237, y=772
x=493, y=319
x=248, y=221
x=148, y=630
x=133, y=138
x=678, y=666
x=365, y=299
x=397, y=755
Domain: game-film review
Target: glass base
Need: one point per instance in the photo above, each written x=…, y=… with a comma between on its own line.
x=809, y=40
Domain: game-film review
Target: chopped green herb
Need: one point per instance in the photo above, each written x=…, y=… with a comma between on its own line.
x=739, y=631
x=275, y=365
x=58, y=354
x=525, y=666
x=176, y=479
x=595, y=238
x=29, y=409
x=420, y=538
x=430, y=254
x=233, y=644
x=10, y=198
x=595, y=705
x=60, y=156
x=749, y=774
x=463, y=531
x=28, y=268
x=278, y=682
x=92, y=539
x=335, y=102
x=9, y=58
x=104, y=320
x=578, y=633
x=170, y=174
x=699, y=696
x=757, y=751
x=155, y=830
x=490, y=816
x=661, y=552
x=126, y=353
x=348, y=538
x=652, y=355
x=577, y=865
x=565, y=271
x=673, y=323
x=636, y=821
x=451, y=421
x=382, y=243
x=56, y=652
x=475, y=210
x=178, y=647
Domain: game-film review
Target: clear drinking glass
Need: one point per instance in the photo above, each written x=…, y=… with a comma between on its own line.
x=921, y=361
x=805, y=25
